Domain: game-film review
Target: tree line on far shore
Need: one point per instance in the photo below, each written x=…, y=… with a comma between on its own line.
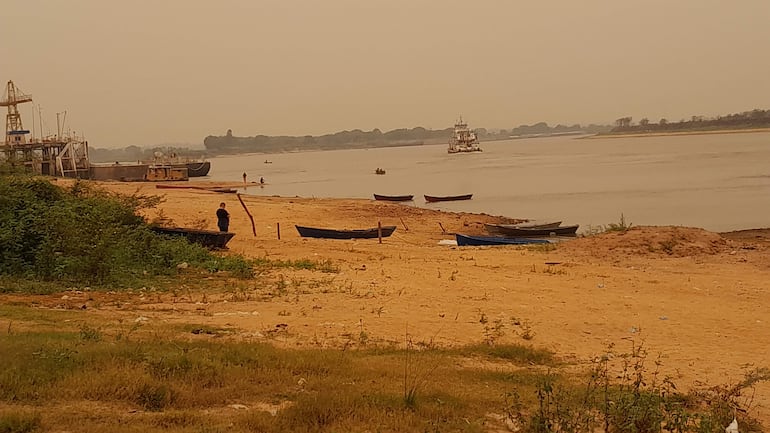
x=746, y=120
x=358, y=139
x=354, y=139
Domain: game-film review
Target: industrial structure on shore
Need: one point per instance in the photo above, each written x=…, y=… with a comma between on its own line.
x=62, y=154
x=65, y=154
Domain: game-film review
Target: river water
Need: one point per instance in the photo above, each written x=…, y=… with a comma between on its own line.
x=719, y=182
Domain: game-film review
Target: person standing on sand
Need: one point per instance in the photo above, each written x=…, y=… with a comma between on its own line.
x=223, y=218
x=244, y=178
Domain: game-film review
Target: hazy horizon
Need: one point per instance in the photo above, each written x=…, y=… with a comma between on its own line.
x=143, y=73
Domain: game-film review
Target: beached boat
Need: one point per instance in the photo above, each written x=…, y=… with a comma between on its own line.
x=207, y=238
x=165, y=172
x=314, y=232
x=539, y=224
x=224, y=190
x=513, y=231
x=197, y=168
x=381, y=197
x=433, y=198
x=465, y=240
x=463, y=140
x=202, y=188
x=499, y=229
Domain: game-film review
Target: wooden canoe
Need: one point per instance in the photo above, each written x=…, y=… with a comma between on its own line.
x=314, y=232
x=433, y=198
x=513, y=231
x=381, y=197
x=202, y=188
x=223, y=190
x=501, y=229
x=465, y=240
x=539, y=224
x=208, y=238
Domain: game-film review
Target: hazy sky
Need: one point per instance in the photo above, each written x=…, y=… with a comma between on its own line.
x=174, y=71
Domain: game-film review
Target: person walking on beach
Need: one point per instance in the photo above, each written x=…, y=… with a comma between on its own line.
x=223, y=218
x=244, y=178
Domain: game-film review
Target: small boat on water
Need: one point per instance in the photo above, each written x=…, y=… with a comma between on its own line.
x=381, y=197
x=463, y=140
x=314, y=232
x=379, y=171
x=513, y=231
x=465, y=240
x=207, y=238
x=433, y=198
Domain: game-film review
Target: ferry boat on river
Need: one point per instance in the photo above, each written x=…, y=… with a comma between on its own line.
x=463, y=140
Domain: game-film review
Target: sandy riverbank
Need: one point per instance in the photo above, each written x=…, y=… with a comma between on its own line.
x=699, y=298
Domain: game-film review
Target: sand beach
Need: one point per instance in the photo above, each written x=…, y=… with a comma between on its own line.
x=699, y=299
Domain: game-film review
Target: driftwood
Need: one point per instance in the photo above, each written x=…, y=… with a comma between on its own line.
x=253, y=227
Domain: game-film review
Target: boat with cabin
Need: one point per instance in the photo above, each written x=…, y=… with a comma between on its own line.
x=196, y=167
x=463, y=139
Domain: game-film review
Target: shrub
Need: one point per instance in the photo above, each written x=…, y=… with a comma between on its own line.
x=637, y=399
x=90, y=236
x=621, y=226
x=155, y=397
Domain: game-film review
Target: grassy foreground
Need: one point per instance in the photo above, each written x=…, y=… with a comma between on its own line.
x=68, y=371
x=132, y=379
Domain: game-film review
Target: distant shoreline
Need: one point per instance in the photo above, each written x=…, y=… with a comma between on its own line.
x=673, y=133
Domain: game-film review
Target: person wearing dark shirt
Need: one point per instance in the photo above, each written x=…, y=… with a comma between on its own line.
x=223, y=218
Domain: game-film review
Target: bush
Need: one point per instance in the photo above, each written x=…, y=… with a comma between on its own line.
x=155, y=397
x=90, y=236
x=631, y=397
